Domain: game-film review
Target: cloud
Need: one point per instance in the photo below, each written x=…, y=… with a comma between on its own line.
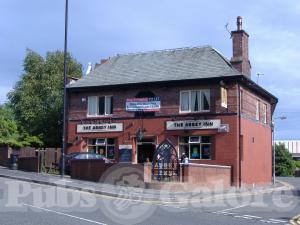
x=277, y=49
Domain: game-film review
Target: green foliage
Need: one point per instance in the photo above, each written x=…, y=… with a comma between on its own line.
x=285, y=165
x=37, y=99
x=297, y=164
x=10, y=134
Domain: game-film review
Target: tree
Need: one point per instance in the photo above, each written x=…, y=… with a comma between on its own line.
x=37, y=99
x=9, y=132
x=285, y=165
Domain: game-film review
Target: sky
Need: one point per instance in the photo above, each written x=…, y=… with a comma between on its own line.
x=99, y=29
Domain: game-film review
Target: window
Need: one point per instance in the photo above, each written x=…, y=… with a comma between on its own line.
x=264, y=113
x=257, y=110
x=102, y=146
x=99, y=106
x=195, y=101
x=241, y=101
x=92, y=105
x=223, y=97
x=195, y=147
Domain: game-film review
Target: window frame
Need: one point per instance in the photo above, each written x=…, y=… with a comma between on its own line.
x=190, y=100
x=265, y=119
x=97, y=106
x=257, y=110
x=200, y=143
x=224, y=97
x=106, y=145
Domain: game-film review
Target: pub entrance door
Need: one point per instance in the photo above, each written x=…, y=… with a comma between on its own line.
x=145, y=150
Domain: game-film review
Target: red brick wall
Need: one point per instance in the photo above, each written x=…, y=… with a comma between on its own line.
x=225, y=149
x=91, y=170
x=256, y=164
x=98, y=171
x=169, y=97
x=256, y=146
x=249, y=106
x=207, y=175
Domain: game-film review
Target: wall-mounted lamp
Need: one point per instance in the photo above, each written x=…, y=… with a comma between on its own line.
x=139, y=135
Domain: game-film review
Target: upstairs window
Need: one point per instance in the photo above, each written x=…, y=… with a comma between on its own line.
x=223, y=97
x=100, y=105
x=264, y=113
x=195, y=101
x=241, y=101
x=257, y=110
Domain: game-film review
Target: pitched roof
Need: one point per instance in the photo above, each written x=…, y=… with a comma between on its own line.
x=155, y=66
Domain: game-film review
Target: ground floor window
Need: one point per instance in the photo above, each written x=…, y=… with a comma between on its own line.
x=102, y=146
x=195, y=147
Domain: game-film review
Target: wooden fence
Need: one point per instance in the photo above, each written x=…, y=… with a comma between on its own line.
x=31, y=159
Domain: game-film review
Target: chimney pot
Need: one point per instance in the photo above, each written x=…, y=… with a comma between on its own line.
x=239, y=23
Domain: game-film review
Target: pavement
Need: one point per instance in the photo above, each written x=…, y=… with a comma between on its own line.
x=165, y=196
x=34, y=199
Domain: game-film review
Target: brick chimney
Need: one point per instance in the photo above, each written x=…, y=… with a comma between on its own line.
x=240, y=56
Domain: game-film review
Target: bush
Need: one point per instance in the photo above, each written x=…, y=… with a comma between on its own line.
x=297, y=164
x=285, y=165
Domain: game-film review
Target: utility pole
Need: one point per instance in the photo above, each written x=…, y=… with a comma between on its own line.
x=65, y=93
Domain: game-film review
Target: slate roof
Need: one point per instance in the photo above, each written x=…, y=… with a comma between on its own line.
x=155, y=66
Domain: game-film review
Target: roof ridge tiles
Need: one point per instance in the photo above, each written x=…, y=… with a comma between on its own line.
x=164, y=50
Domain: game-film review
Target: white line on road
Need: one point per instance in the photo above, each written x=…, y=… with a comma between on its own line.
x=282, y=221
x=244, y=217
x=270, y=221
x=257, y=217
x=64, y=214
x=227, y=213
x=224, y=210
x=248, y=217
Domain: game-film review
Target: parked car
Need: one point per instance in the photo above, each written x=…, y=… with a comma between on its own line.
x=88, y=155
x=81, y=156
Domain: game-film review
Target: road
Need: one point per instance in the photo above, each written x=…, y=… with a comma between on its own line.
x=33, y=204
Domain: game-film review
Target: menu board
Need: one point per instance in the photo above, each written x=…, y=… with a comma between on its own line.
x=125, y=153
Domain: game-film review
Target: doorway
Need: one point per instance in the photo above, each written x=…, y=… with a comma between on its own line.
x=145, y=150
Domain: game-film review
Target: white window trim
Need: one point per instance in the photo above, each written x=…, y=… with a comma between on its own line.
x=225, y=98
x=189, y=144
x=265, y=107
x=190, y=100
x=106, y=145
x=257, y=110
x=97, y=106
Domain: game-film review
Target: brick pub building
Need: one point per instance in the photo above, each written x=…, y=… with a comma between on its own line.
x=206, y=105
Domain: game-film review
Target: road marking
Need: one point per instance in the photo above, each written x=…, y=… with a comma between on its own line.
x=248, y=217
x=244, y=217
x=273, y=221
x=227, y=213
x=64, y=214
x=224, y=210
x=257, y=217
x=281, y=221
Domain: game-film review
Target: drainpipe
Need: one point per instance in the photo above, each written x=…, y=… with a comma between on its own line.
x=239, y=137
